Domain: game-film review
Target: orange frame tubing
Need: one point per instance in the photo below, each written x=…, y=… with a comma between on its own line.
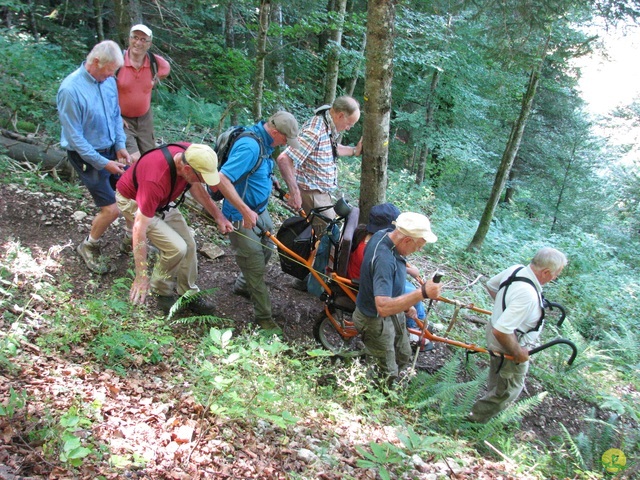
x=307, y=262
x=349, y=330
x=348, y=287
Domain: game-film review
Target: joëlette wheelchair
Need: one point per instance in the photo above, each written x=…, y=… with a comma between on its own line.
x=296, y=242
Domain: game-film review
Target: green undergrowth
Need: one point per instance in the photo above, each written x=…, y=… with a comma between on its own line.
x=255, y=379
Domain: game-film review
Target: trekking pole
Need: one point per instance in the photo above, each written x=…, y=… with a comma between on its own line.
x=436, y=279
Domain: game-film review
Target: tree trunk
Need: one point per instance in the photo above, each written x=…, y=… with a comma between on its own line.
x=333, y=53
x=32, y=21
x=278, y=57
x=422, y=164
x=323, y=36
x=410, y=161
x=229, y=26
x=136, y=11
x=428, y=123
x=563, y=186
x=377, y=97
x=123, y=24
x=508, y=157
x=261, y=53
x=510, y=191
x=97, y=10
x=47, y=158
x=7, y=16
x=354, y=77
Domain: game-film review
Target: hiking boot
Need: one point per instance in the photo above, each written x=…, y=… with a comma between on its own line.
x=202, y=306
x=126, y=247
x=92, y=256
x=165, y=302
x=269, y=325
x=241, y=291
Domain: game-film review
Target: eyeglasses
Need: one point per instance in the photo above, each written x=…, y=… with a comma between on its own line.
x=198, y=174
x=140, y=39
x=349, y=120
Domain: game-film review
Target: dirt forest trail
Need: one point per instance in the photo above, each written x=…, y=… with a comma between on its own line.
x=149, y=414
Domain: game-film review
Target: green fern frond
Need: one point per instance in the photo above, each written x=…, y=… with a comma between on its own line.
x=470, y=394
x=200, y=321
x=573, y=446
x=627, y=341
x=511, y=414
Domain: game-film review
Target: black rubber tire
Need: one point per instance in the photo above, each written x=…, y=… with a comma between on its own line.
x=327, y=336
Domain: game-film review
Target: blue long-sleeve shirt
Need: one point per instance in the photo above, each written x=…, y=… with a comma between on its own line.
x=90, y=116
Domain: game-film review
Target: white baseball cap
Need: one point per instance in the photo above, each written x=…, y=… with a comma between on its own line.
x=142, y=28
x=415, y=225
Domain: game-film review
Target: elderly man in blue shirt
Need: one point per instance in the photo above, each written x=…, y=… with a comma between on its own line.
x=93, y=135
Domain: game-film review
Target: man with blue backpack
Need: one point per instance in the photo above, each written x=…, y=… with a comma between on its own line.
x=248, y=168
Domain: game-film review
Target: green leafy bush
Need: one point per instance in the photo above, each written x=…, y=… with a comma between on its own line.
x=30, y=74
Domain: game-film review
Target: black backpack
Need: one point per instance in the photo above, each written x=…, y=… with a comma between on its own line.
x=297, y=234
x=224, y=144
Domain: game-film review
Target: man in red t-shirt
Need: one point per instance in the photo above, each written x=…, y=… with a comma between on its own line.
x=143, y=194
x=135, y=81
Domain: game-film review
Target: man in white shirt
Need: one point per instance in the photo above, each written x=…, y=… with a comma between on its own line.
x=516, y=323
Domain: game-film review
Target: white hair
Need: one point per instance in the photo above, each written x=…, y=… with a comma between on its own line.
x=550, y=258
x=106, y=52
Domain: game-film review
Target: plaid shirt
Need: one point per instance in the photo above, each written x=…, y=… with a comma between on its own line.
x=315, y=165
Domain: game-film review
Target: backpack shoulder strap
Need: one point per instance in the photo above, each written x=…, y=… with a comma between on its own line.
x=245, y=177
x=515, y=278
x=174, y=176
x=322, y=112
x=154, y=65
x=261, y=155
x=172, y=170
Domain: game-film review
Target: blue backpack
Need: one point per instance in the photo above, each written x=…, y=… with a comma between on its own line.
x=328, y=243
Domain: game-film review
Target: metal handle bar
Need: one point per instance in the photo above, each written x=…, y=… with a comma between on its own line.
x=551, y=306
x=469, y=306
x=283, y=195
x=574, y=349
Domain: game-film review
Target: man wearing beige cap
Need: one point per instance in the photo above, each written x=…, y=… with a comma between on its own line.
x=247, y=172
x=148, y=194
x=142, y=70
x=381, y=303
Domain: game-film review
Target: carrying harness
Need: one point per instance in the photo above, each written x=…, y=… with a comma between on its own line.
x=514, y=278
x=322, y=112
x=519, y=333
x=172, y=170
